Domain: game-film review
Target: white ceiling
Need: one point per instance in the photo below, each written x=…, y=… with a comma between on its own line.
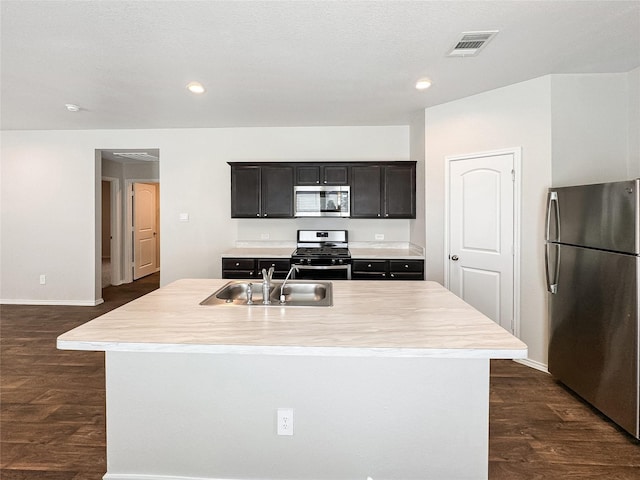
x=286, y=63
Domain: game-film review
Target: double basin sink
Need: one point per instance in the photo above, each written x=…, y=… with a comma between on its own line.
x=297, y=293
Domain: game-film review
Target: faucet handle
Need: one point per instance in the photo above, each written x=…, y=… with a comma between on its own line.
x=264, y=274
x=271, y=270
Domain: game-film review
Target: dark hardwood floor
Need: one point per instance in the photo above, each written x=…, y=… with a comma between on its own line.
x=53, y=418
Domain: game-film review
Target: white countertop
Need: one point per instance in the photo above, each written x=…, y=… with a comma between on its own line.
x=368, y=318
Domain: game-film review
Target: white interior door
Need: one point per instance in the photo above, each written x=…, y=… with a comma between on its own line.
x=145, y=230
x=481, y=234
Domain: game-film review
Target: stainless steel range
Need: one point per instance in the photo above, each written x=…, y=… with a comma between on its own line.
x=322, y=255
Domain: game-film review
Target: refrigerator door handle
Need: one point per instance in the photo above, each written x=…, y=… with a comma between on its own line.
x=552, y=280
x=552, y=200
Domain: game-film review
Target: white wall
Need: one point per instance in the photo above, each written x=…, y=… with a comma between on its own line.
x=633, y=164
x=417, y=151
x=49, y=197
x=590, y=117
x=515, y=116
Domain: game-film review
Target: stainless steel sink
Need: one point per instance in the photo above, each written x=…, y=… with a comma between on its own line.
x=297, y=293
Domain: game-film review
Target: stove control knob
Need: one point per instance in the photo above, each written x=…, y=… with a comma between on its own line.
x=333, y=261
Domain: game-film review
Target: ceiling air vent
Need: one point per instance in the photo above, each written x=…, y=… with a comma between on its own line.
x=142, y=156
x=471, y=43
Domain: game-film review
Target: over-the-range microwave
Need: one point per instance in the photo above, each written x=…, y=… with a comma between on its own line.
x=321, y=200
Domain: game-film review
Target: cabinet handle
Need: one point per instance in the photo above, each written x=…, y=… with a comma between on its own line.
x=237, y=264
x=369, y=266
x=265, y=214
x=378, y=214
x=317, y=181
x=257, y=214
x=251, y=274
x=392, y=275
x=406, y=266
x=384, y=274
x=386, y=214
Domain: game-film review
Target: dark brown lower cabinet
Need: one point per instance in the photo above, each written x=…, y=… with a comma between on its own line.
x=387, y=269
x=252, y=267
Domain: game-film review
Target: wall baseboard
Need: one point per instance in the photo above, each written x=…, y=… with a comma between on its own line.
x=138, y=476
x=68, y=303
x=533, y=364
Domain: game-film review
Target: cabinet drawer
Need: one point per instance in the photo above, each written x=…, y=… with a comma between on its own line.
x=406, y=276
x=368, y=275
x=277, y=264
x=238, y=264
x=406, y=266
x=238, y=274
x=369, y=266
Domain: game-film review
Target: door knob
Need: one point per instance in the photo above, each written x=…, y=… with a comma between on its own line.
x=455, y=258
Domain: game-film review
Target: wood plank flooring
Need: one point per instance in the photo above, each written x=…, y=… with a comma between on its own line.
x=53, y=418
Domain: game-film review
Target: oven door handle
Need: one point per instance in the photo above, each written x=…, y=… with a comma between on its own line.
x=325, y=267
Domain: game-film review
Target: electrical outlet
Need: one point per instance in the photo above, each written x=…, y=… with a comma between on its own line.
x=379, y=236
x=264, y=236
x=285, y=421
x=43, y=279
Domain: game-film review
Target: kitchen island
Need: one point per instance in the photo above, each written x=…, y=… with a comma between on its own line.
x=391, y=382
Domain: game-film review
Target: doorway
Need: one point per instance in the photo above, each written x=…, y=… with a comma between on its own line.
x=122, y=168
x=146, y=231
x=482, y=228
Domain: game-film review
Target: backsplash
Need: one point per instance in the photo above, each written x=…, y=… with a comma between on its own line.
x=360, y=230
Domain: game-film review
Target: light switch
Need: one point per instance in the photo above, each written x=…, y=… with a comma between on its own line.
x=184, y=217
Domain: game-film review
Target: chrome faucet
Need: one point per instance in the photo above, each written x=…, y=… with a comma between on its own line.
x=250, y=294
x=266, y=284
x=294, y=267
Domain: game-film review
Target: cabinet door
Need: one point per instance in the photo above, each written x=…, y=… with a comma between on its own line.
x=366, y=191
x=277, y=192
x=400, y=191
x=406, y=269
x=238, y=268
x=281, y=266
x=369, y=269
x=245, y=191
x=308, y=175
x=335, y=175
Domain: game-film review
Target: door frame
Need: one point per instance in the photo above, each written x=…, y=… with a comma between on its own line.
x=128, y=234
x=116, y=221
x=516, y=152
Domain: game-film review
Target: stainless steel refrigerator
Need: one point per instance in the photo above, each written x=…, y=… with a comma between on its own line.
x=593, y=276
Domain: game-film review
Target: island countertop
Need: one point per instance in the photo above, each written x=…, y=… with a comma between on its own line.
x=368, y=318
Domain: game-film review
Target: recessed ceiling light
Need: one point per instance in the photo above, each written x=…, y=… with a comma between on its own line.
x=71, y=107
x=195, y=87
x=423, y=84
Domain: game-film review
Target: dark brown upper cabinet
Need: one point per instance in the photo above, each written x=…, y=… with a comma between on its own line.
x=383, y=190
x=261, y=191
x=366, y=191
x=321, y=174
x=378, y=189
